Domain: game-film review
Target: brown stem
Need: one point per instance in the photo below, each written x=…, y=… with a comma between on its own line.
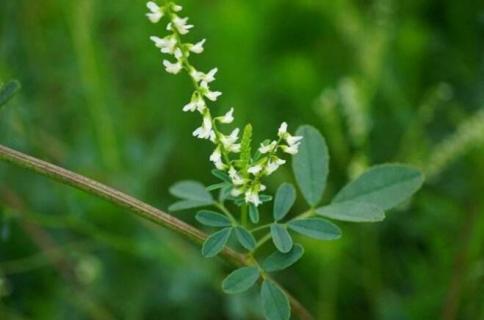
x=461, y=263
x=123, y=200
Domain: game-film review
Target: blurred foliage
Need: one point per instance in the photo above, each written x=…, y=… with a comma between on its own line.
x=384, y=80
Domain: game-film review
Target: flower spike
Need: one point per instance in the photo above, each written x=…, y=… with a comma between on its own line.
x=246, y=178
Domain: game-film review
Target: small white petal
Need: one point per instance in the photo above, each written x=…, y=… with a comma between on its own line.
x=177, y=8
x=255, y=169
x=197, y=103
x=252, y=196
x=203, y=133
x=152, y=6
x=235, y=148
x=292, y=140
x=167, y=44
x=266, y=148
x=216, y=158
x=216, y=155
x=210, y=76
x=197, y=47
x=236, y=192
x=282, y=129
x=156, y=13
x=228, y=117
x=181, y=25
x=213, y=95
x=229, y=141
x=236, y=178
x=178, y=53
x=273, y=166
x=291, y=149
x=190, y=107
x=171, y=67
x=196, y=75
x=154, y=17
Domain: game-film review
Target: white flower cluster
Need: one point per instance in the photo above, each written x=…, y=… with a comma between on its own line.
x=246, y=181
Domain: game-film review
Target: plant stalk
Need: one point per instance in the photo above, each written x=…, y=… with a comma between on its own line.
x=123, y=200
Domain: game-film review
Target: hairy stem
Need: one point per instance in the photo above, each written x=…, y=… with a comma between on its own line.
x=123, y=200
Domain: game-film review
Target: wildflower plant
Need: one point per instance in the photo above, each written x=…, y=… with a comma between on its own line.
x=240, y=170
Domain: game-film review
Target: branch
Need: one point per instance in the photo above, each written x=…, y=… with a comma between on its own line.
x=123, y=200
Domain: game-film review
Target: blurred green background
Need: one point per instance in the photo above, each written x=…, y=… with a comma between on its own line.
x=384, y=80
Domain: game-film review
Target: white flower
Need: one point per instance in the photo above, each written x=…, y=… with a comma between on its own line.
x=228, y=117
x=178, y=54
x=273, y=165
x=292, y=140
x=216, y=158
x=291, y=149
x=205, y=131
x=197, y=47
x=196, y=75
x=229, y=142
x=200, y=76
x=252, y=196
x=156, y=12
x=234, y=135
x=255, y=169
x=266, y=148
x=236, y=192
x=197, y=103
x=181, y=25
x=211, y=95
x=210, y=76
x=171, y=67
x=177, y=8
x=235, y=148
x=167, y=44
x=236, y=178
x=282, y=130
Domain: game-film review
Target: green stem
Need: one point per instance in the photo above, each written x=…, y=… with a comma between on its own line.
x=261, y=227
x=224, y=210
x=123, y=200
x=116, y=197
x=307, y=214
x=261, y=242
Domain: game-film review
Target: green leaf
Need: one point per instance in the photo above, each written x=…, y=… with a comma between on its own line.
x=385, y=185
x=216, y=186
x=240, y=280
x=254, y=214
x=285, y=198
x=245, y=238
x=213, y=219
x=8, y=90
x=310, y=164
x=274, y=302
x=222, y=175
x=279, y=261
x=224, y=193
x=281, y=238
x=245, y=148
x=352, y=211
x=215, y=242
x=187, y=204
x=265, y=197
x=191, y=190
x=316, y=228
